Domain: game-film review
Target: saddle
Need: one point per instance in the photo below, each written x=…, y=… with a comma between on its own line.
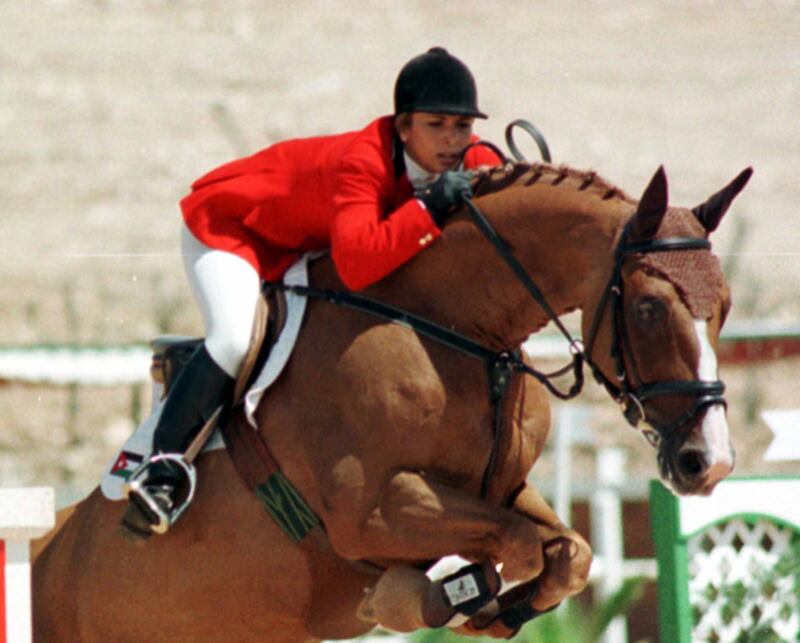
x=171, y=354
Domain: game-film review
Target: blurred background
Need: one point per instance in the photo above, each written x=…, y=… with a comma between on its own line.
x=110, y=109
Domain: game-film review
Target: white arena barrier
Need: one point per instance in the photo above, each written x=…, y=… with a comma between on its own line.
x=25, y=514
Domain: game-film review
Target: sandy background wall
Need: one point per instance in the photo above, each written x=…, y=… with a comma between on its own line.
x=108, y=111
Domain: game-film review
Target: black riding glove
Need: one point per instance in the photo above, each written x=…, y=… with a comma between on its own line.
x=446, y=192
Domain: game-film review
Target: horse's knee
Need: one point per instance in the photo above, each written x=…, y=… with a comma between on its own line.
x=407, y=496
x=348, y=512
x=347, y=518
x=397, y=600
x=345, y=543
x=410, y=501
x=344, y=529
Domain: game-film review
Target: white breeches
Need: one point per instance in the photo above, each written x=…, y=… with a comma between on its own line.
x=226, y=288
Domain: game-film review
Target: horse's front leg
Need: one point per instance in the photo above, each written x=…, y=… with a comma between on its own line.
x=567, y=561
x=418, y=518
x=568, y=557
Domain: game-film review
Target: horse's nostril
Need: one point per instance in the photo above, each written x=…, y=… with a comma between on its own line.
x=692, y=463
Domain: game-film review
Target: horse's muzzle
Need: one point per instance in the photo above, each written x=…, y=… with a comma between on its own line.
x=697, y=470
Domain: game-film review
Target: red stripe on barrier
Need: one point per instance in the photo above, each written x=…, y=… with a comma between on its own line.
x=760, y=349
x=3, y=638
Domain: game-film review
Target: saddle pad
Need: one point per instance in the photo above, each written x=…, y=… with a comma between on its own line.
x=138, y=446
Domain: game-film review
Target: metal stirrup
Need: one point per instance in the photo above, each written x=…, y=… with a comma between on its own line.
x=136, y=485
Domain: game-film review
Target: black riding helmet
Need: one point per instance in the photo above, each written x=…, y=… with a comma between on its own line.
x=436, y=82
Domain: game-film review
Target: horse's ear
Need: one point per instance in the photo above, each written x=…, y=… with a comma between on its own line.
x=710, y=213
x=652, y=208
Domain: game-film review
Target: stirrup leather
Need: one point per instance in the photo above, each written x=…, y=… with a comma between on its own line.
x=136, y=485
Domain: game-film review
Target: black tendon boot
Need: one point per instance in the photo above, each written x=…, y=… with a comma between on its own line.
x=162, y=488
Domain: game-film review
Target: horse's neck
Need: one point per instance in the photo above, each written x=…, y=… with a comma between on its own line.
x=462, y=282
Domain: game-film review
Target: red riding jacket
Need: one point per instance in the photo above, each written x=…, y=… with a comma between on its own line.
x=347, y=192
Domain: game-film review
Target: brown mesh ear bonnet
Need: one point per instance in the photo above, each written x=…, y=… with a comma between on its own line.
x=695, y=274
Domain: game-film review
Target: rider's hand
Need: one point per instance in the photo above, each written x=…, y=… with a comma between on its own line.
x=446, y=192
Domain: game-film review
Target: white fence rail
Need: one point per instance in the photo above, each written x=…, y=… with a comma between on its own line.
x=109, y=365
x=25, y=514
x=62, y=365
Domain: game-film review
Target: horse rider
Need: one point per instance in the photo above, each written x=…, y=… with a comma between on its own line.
x=374, y=197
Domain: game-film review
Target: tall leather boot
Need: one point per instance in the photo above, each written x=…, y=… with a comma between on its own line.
x=160, y=491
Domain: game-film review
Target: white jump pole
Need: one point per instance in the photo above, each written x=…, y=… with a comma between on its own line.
x=24, y=514
x=607, y=537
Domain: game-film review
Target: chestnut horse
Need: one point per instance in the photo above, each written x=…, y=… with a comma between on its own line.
x=386, y=433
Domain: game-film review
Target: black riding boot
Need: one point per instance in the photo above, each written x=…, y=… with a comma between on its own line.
x=162, y=488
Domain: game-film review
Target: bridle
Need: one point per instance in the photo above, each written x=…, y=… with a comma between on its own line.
x=629, y=396
x=630, y=391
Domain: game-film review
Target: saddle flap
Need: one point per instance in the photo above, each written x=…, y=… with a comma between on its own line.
x=269, y=321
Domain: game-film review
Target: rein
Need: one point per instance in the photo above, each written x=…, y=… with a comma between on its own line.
x=501, y=365
x=629, y=397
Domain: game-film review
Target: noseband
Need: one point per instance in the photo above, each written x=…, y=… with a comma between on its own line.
x=630, y=395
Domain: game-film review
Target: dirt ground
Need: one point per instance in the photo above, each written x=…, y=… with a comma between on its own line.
x=109, y=109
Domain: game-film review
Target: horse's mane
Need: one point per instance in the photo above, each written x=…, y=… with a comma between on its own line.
x=528, y=174
x=695, y=274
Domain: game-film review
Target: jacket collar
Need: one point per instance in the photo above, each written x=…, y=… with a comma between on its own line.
x=417, y=174
x=398, y=156
x=404, y=164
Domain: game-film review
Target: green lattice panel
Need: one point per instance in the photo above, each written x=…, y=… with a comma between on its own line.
x=729, y=565
x=743, y=582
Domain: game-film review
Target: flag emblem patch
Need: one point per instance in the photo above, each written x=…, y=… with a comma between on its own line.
x=126, y=464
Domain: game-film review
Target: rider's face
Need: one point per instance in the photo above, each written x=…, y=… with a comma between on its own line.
x=435, y=141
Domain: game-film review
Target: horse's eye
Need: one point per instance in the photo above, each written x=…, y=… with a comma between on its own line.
x=650, y=312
